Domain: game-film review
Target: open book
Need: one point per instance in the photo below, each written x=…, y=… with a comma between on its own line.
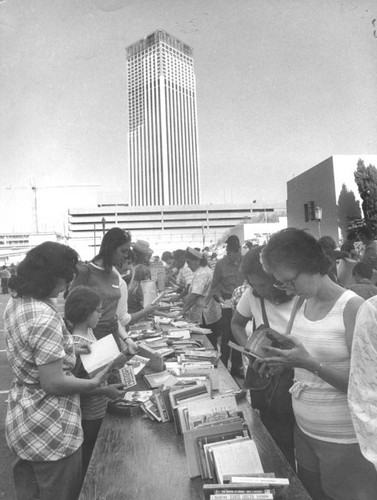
x=103, y=352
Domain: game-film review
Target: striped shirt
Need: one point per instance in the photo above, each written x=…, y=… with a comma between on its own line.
x=185, y=276
x=39, y=426
x=320, y=409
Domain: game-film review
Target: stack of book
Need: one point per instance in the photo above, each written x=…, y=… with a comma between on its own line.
x=170, y=398
x=213, y=421
x=261, y=486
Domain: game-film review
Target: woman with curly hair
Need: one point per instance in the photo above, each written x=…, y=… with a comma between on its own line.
x=43, y=423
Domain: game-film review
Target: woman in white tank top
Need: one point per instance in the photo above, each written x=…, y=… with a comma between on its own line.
x=330, y=463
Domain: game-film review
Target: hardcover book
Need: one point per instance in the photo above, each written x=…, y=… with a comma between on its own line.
x=190, y=441
x=236, y=457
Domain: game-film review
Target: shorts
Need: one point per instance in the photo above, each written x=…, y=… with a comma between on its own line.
x=344, y=472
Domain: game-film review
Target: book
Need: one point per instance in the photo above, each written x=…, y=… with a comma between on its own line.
x=237, y=491
x=161, y=404
x=127, y=376
x=261, y=338
x=212, y=410
x=137, y=397
x=138, y=363
x=190, y=441
x=261, y=495
x=150, y=293
x=257, y=482
x=156, y=361
x=238, y=457
x=207, y=471
x=155, y=380
x=151, y=410
x=103, y=352
x=178, y=334
x=209, y=456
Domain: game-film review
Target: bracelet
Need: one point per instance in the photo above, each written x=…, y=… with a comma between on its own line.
x=318, y=371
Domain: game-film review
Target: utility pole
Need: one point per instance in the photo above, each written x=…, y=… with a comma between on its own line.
x=35, y=189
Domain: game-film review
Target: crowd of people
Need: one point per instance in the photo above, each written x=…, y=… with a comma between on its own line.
x=327, y=424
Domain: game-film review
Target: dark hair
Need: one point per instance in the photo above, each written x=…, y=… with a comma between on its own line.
x=80, y=303
x=296, y=249
x=367, y=232
x=328, y=244
x=251, y=264
x=166, y=256
x=178, y=254
x=362, y=269
x=233, y=244
x=113, y=239
x=352, y=235
x=131, y=256
x=38, y=273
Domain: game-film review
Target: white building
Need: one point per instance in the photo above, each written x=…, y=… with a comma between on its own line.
x=162, y=137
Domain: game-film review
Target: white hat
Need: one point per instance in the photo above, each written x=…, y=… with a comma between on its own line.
x=142, y=247
x=195, y=253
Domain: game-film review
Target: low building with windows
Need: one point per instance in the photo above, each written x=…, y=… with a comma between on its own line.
x=164, y=227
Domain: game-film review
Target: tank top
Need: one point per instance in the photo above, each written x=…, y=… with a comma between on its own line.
x=320, y=409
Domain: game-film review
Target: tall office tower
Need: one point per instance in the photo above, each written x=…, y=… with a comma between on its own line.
x=163, y=137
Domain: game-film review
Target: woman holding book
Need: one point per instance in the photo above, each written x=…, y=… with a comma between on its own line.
x=263, y=303
x=102, y=275
x=330, y=463
x=43, y=423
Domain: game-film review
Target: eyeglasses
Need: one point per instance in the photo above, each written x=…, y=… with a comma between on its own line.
x=284, y=285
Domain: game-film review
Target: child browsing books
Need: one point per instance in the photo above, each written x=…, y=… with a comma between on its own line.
x=82, y=312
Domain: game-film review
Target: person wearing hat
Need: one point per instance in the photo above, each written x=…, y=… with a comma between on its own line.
x=200, y=306
x=143, y=252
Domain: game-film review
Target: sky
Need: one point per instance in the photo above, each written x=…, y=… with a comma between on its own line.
x=281, y=86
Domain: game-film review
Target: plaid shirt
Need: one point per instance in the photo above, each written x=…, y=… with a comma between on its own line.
x=39, y=426
x=237, y=294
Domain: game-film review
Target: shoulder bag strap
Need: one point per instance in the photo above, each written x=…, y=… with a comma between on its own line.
x=264, y=312
x=296, y=307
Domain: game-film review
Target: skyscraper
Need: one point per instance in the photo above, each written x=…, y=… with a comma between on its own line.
x=163, y=136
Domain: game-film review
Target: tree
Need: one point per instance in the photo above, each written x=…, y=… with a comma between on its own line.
x=348, y=210
x=366, y=180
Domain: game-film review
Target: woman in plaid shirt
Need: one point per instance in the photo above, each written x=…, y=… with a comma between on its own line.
x=43, y=424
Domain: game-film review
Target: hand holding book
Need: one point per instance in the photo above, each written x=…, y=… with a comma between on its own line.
x=294, y=356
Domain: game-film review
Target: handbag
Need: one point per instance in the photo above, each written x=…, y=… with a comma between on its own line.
x=271, y=393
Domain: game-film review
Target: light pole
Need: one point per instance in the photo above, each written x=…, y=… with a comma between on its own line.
x=318, y=218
